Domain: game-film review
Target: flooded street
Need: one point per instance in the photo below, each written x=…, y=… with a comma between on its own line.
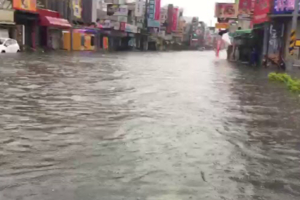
x=145, y=126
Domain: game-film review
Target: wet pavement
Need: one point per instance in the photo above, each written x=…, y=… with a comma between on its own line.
x=145, y=126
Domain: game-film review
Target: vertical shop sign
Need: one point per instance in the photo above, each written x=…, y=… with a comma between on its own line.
x=139, y=7
x=175, y=19
x=151, y=11
x=157, y=9
x=152, y=22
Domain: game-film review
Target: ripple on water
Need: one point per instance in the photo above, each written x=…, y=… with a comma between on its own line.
x=172, y=125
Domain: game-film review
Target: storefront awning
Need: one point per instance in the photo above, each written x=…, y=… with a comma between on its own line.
x=54, y=22
x=7, y=23
x=241, y=33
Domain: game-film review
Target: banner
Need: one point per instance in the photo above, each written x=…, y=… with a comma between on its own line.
x=117, y=10
x=261, y=11
x=284, y=6
x=26, y=5
x=157, y=9
x=77, y=9
x=245, y=9
x=139, y=8
x=226, y=10
x=175, y=19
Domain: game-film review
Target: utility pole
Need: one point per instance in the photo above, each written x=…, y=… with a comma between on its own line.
x=145, y=45
x=293, y=35
x=71, y=21
x=146, y=15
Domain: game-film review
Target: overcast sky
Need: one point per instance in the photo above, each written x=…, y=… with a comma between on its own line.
x=204, y=9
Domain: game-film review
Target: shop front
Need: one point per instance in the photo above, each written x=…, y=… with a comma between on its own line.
x=84, y=39
x=26, y=17
x=51, y=29
x=261, y=25
x=279, y=34
x=131, y=40
x=7, y=24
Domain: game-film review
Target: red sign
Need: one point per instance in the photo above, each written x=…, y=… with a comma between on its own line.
x=175, y=19
x=122, y=26
x=245, y=8
x=26, y=5
x=170, y=19
x=262, y=8
x=226, y=10
x=157, y=10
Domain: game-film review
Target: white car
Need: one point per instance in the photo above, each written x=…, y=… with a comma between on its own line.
x=8, y=45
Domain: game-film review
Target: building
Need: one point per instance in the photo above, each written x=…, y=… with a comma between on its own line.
x=53, y=20
x=26, y=20
x=7, y=23
x=279, y=32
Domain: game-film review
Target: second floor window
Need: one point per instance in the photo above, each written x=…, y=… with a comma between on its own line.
x=5, y=4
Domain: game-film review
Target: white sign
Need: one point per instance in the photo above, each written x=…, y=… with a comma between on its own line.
x=117, y=26
x=7, y=16
x=107, y=24
x=120, y=10
x=131, y=28
x=139, y=8
x=162, y=34
x=122, y=18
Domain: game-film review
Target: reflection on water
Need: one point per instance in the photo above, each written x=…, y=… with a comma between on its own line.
x=155, y=126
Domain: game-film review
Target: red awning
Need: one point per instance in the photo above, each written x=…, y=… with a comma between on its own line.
x=54, y=22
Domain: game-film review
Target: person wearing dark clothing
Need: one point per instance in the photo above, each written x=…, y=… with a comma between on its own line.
x=254, y=57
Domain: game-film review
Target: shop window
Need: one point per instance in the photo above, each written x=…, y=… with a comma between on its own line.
x=5, y=4
x=82, y=40
x=92, y=40
x=130, y=16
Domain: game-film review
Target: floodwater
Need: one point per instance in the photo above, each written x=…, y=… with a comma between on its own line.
x=145, y=126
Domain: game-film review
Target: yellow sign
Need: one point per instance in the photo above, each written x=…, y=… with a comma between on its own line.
x=222, y=25
x=26, y=5
x=77, y=9
x=297, y=43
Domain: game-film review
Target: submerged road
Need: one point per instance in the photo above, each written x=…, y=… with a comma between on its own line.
x=145, y=126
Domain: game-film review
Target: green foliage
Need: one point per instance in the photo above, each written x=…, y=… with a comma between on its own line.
x=292, y=84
